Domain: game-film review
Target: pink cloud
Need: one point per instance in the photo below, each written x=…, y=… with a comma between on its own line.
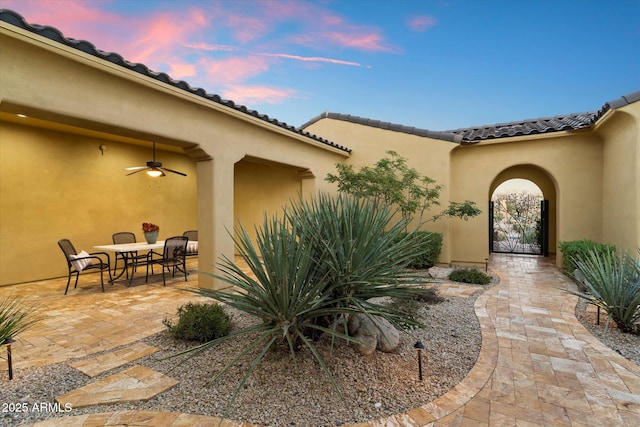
x=364, y=41
x=79, y=20
x=232, y=70
x=313, y=59
x=161, y=36
x=211, y=47
x=179, y=69
x=247, y=28
x=258, y=94
x=421, y=23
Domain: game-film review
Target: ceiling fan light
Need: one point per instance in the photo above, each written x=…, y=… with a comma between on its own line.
x=154, y=173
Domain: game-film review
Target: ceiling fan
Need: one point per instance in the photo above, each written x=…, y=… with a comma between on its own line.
x=153, y=168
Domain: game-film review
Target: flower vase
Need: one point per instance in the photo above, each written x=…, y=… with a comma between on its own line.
x=151, y=237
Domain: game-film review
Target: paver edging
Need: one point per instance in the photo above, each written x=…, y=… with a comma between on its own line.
x=481, y=372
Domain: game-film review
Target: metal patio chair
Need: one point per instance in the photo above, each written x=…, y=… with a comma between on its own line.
x=83, y=261
x=192, y=245
x=173, y=257
x=133, y=259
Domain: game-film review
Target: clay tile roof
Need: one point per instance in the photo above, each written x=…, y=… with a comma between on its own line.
x=527, y=127
x=543, y=125
x=447, y=136
x=54, y=34
x=472, y=135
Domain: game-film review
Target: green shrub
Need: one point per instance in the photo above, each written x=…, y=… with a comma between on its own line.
x=470, y=275
x=613, y=283
x=430, y=248
x=200, y=322
x=578, y=249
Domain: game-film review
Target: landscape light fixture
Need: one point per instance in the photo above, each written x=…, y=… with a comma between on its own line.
x=8, y=342
x=419, y=346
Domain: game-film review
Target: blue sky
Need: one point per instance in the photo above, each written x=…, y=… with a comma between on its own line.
x=439, y=65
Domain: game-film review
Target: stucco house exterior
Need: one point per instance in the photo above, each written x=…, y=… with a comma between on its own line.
x=73, y=117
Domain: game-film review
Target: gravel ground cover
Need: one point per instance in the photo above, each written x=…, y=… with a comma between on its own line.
x=281, y=392
x=284, y=393
x=628, y=345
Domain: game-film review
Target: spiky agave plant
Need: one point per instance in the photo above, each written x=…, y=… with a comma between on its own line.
x=282, y=290
x=299, y=274
x=360, y=250
x=613, y=284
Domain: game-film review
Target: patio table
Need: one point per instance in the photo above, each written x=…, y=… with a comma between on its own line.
x=127, y=248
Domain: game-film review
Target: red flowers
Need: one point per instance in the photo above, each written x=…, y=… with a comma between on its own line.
x=148, y=227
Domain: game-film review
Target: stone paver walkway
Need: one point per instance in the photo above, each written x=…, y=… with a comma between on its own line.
x=87, y=321
x=549, y=370
x=538, y=365
x=108, y=361
x=131, y=385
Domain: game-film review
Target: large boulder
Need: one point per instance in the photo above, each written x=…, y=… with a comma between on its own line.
x=374, y=333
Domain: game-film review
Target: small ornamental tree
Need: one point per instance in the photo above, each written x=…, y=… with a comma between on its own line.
x=391, y=182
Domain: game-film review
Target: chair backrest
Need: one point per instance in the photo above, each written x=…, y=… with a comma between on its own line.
x=175, y=247
x=67, y=248
x=192, y=235
x=123, y=237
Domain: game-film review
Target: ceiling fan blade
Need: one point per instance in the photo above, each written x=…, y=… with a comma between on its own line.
x=153, y=167
x=171, y=170
x=136, y=171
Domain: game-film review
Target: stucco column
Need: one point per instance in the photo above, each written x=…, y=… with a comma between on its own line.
x=215, y=217
x=308, y=183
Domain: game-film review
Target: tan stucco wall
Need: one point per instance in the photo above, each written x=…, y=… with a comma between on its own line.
x=263, y=189
x=572, y=162
x=57, y=185
x=621, y=178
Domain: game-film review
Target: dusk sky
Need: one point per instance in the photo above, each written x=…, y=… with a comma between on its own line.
x=439, y=65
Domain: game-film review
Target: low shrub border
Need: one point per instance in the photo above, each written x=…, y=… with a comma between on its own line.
x=470, y=275
x=431, y=246
x=574, y=249
x=200, y=322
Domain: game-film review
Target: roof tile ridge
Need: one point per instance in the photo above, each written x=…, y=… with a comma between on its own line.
x=396, y=127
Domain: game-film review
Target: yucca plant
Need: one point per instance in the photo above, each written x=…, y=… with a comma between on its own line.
x=360, y=251
x=613, y=283
x=282, y=290
x=15, y=317
x=320, y=262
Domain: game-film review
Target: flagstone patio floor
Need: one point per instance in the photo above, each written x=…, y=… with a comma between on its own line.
x=538, y=366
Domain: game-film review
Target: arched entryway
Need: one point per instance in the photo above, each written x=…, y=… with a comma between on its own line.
x=522, y=212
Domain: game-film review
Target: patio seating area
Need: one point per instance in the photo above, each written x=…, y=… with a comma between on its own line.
x=88, y=321
x=538, y=365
